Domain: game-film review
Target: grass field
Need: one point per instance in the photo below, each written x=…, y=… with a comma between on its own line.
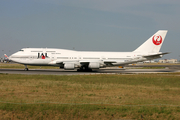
x=116, y=97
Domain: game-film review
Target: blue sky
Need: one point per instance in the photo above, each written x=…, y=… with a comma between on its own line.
x=96, y=25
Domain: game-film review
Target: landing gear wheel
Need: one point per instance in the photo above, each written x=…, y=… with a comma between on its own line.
x=26, y=69
x=84, y=70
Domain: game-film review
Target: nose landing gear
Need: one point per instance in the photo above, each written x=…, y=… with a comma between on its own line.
x=26, y=69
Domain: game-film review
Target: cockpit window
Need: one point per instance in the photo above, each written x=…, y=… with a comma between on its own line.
x=21, y=50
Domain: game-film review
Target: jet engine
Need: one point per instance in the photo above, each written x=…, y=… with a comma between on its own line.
x=94, y=65
x=69, y=66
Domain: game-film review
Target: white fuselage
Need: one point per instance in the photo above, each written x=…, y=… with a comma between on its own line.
x=33, y=56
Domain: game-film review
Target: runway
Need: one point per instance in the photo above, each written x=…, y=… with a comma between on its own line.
x=74, y=72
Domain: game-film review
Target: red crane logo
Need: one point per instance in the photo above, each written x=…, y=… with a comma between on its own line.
x=157, y=39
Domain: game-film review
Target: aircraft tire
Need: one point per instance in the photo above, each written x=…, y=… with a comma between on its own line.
x=26, y=69
x=84, y=70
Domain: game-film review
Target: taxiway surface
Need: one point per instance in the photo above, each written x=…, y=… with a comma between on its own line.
x=74, y=72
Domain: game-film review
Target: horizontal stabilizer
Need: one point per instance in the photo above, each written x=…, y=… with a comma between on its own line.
x=155, y=55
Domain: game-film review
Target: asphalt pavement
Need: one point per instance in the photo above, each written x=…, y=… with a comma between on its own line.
x=96, y=71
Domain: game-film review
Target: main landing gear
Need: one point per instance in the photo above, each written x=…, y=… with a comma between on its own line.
x=84, y=69
x=26, y=69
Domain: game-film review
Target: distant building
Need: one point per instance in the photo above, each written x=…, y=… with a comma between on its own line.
x=149, y=61
x=168, y=61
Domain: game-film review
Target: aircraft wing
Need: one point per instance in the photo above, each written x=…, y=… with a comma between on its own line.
x=129, y=62
x=138, y=59
x=85, y=62
x=105, y=62
x=62, y=62
x=55, y=62
x=109, y=62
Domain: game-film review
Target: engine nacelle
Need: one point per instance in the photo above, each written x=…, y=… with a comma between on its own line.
x=69, y=66
x=94, y=65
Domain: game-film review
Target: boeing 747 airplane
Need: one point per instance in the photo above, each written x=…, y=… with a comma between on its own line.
x=88, y=60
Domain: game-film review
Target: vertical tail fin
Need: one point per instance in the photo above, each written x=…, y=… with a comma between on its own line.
x=6, y=56
x=154, y=43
